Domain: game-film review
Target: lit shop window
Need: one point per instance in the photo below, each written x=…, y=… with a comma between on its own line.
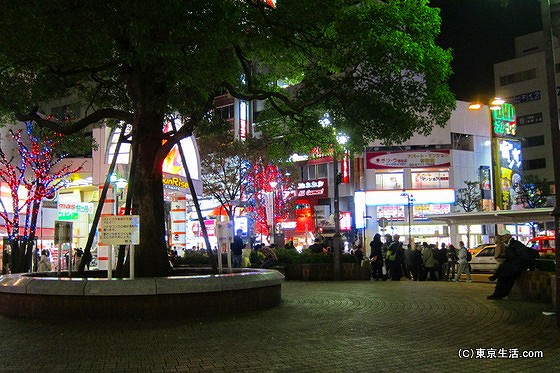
x=429, y=179
x=389, y=181
x=124, y=151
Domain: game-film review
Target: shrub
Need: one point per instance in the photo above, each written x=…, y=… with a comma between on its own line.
x=545, y=265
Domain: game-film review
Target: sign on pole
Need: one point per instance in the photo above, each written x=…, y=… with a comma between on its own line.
x=62, y=232
x=119, y=230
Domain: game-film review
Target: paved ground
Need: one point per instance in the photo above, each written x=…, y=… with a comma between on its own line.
x=320, y=327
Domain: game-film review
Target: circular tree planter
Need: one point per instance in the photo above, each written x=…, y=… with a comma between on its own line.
x=197, y=295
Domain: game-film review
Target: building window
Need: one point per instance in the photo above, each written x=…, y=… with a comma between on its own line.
x=430, y=179
x=124, y=151
x=462, y=141
x=322, y=170
x=534, y=164
x=317, y=171
x=225, y=112
x=534, y=141
x=66, y=112
x=389, y=181
x=529, y=119
x=518, y=77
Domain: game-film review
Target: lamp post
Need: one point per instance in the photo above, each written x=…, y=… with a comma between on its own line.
x=273, y=185
x=410, y=202
x=550, y=12
x=494, y=105
x=337, y=239
x=118, y=183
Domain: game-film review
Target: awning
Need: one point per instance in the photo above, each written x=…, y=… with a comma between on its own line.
x=539, y=215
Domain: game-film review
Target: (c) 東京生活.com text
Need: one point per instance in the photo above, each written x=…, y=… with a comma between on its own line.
x=499, y=353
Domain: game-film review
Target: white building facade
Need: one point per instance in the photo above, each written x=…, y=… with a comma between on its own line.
x=405, y=184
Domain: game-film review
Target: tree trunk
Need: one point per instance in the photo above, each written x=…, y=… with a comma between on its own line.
x=147, y=190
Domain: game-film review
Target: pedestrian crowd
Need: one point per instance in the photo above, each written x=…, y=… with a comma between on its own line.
x=391, y=260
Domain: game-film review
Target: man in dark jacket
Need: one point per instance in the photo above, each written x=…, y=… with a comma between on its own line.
x=237, y=247
x=516, y=261
x=317, y=247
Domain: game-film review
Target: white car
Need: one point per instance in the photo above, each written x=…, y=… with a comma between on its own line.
x=484, y=260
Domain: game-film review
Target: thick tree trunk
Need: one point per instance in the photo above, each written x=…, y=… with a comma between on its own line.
x=147, y=190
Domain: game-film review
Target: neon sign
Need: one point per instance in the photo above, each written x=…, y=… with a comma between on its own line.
x=503, y=121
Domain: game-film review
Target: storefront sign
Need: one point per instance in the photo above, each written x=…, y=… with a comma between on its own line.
x=421, y=196
x=407, y=159
x=508, y=172
x=75, y=207
x=174, y=182
x=313, y=188
x=503, y=121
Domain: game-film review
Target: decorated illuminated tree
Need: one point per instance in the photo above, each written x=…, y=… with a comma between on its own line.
x=258, y=186
x=225, y=164
x=33, y=177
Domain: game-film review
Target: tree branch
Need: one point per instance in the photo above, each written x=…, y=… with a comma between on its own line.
x=70, y=128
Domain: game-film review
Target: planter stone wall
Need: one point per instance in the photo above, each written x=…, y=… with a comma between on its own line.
x=324, y=272
x=534, y=286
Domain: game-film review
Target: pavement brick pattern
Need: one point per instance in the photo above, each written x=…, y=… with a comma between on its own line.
x=319, y=327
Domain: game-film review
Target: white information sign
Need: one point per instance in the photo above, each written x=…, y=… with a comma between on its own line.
x=62, y=232
x=224, y=232
x=119, y=230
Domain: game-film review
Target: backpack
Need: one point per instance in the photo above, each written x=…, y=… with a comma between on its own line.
x=469, y=256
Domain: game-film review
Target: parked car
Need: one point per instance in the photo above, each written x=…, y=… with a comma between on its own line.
x=484, y=260
x=479, y=248
x=545, y=244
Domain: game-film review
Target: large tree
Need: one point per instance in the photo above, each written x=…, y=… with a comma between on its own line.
x=373, y=65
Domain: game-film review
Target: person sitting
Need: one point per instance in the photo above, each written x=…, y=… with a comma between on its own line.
x=516, y=261
x=270, y=258
x=317, y=247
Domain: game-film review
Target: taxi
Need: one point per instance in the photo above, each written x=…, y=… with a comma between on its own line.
x=544, y=244
x=484, y=260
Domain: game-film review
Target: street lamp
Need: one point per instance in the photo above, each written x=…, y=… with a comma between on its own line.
x=410, y=202
x=273, y=185
x=337, y=239
x=499, y=128
x=118, y=184
x=550, y=9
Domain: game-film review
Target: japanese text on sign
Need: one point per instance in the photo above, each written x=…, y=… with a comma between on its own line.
x=119, y=230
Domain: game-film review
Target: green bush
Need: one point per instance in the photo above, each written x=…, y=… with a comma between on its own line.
x=545, y=265
x=285, y=257
x=193, y=258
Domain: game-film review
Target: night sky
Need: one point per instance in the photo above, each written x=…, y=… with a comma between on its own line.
x=481, y=33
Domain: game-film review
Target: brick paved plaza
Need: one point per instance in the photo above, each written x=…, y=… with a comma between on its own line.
x=320, y=327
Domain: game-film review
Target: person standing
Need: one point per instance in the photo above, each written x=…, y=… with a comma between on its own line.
x=386, y=259
x=376, y=257
x=409, y=261
x=44, y=262
x=463, y=263
x=237, y=249
x=451, y=262
x=516, y=261
x=395, y=256
x=417, y=265
x=442, y=261
x=429, y=262
x=358, y=254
